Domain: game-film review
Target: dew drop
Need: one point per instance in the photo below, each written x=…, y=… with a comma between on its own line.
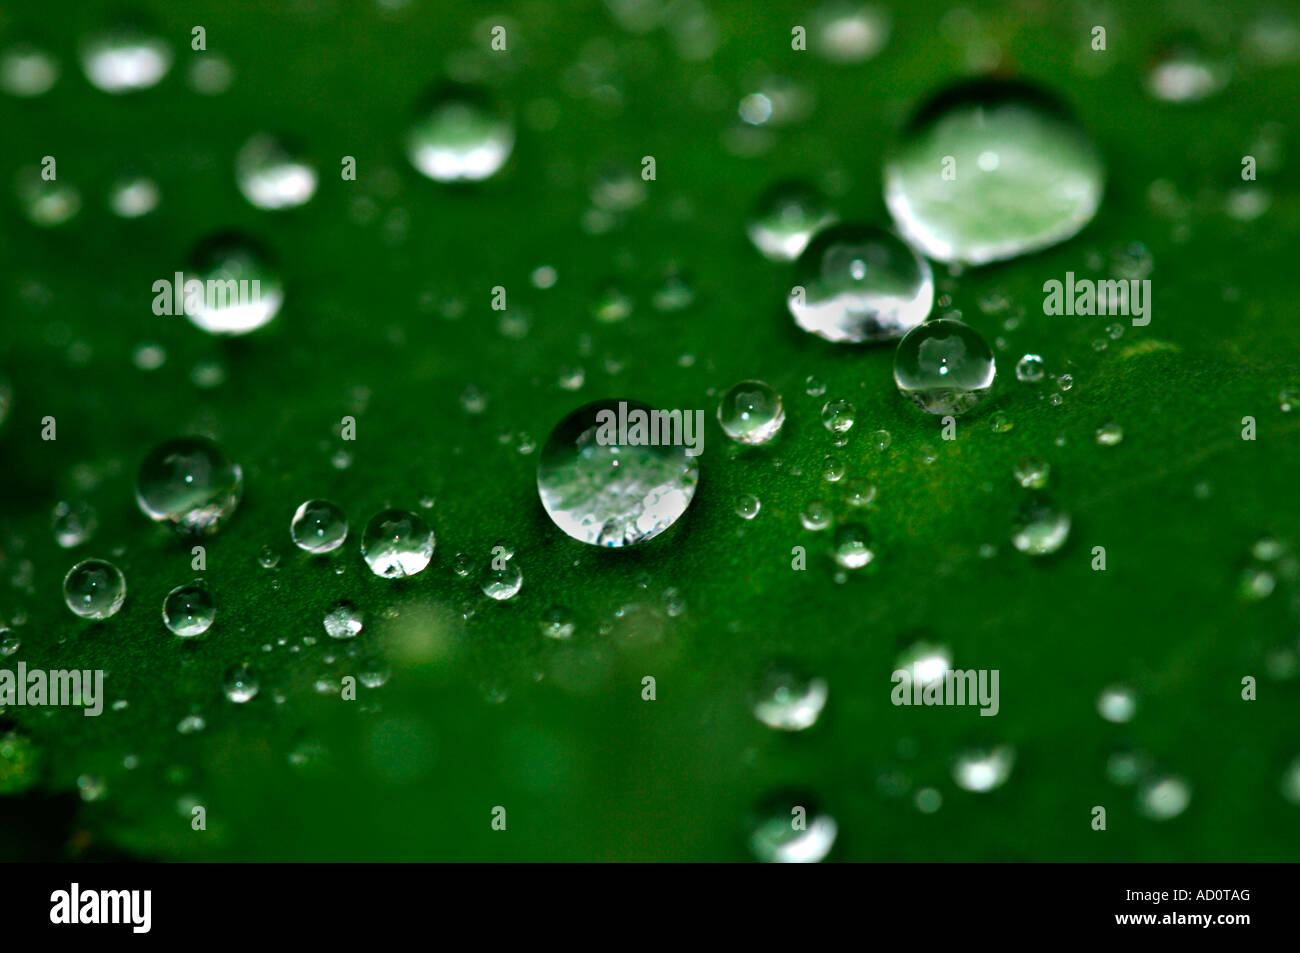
x=27, y=71
x=342, y=620
x=240, y=684
x=558, y=622
x=944, y=367
x=272, y=176
x=94, y=589
x=983, y=769
x=501, y=583
x=787, y=217
x=318, y=526
x=1040, y=528
x=786, y=699
x=1029, y=369
x=188, y=611
x=751, y=413
x=74, y=523
x=1117, y=704
x=1163, y=798
x=125, y=60
x=853, y=548
x=460, y=136
x=396, y=544
x=791, y=829
x=1184, y=72
x=747, y=506
x=1109, y=434
x=190, y=483
x=1032, y=473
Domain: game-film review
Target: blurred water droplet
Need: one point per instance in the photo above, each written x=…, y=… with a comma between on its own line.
x=1163, y=798
x=983, y=769
x=125, y=59
x=272, y=176
x=460, y=135
x=1040, y=528
x=240, y=684
x=791, y=829
x=786, y=699
x=1117, y=704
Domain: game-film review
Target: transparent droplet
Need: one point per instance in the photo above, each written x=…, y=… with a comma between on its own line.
x=787, y=217
x=272, y=176
x=501, y=581
x=558, y=623
x=787, y=699
x=125, y=60
x=460, y=136
x=1000, y=422
x=853, y=547
x=27, y=71
x=235, y=290
x=92, y=787
x=747, y=506
x=343, y=620
x=751, y=412
x=1040, y=528
x=859, y=283
x=74, y=523
x=134, y=196
x=844, y=31
x=318, y=526
x=397, y=543
x=1185, y=72
x=240, y=684
x=189, y=483
x=989, y=170
x=1029, y=369
x=188, y=611
x=944, y=367
x=1117, y=704
x=983, y=769
x=94, y=589
x=600, y=491
x=838, y=416
x=791, y=829
x=1032, y=473
x=1163, y=798
x=1109, y=434
x=815, y=515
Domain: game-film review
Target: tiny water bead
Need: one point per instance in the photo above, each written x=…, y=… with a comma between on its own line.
x=815, y=515
x=189, y=483
x=1109, y=434
x=273, y=176
x=853, y=547
x=188, y=611
x=240, y=684
x=786, y=699
x=846, y=31
x=791, y=829
x=788, y=215
x=46, y=203
x=1117, y=704
x=240, y=292
x=860, y=283
x=983, y=769
x=1184, y=71
x=944, y=367
x=343, y=620
x=609, y=493
x=318, y=526
x=1029, y=369
x=1032, y=473
x=396, y=544
x=1040, y=528
x=73, y=523
x=134, y=197
x=988, y=170
x=751, y=413
x=838, y=416
x=747, y=506
x=558, y=622
x=501, y=580
x=460, y=135
x=125, y=59
x=94, y=589
x=1162, y=798
x=27, y=71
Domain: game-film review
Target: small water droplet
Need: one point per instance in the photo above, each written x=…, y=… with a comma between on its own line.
x=751, y=413
x=240, y=684
x=786, y=699
x=319, y=526
x=787, y=217
x=1040, y=528
x=188, y=611
x=397, y=543
x=273, y=176
x=460, y=135
x=983, y=769
x=944, y=367
x=94, y=589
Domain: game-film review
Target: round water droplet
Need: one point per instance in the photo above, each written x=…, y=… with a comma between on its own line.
x=94, y=589
x=1040, y=528
x=853, y=547
x=838, y=416
x=190, y=483
x=342, y=620
x=1029, y=369
x=1117, y=704
x=983, y=769
x=815, y=515
x=271, y=176
x=747, y=506
x=1183, y=71
x=989, y=170
x=860, y=283
x=125, y=60
x=1032, y=473
x=607, y=493
x=788, y=700
x=501, y=583
x=397, y=543
x=791, y=829
x=240, y=684
x=845, y=32
x=1163, y=798
x=235, y=291
x=27, y=71
x=74, y=523
x=558, y=623
x=751, y=412
x=134, y=197
x=1109, y=434
x=318, y=526
x=944, y=367
x=460, y=136
x=188, y=611
x=45, y=202
x=788, y=215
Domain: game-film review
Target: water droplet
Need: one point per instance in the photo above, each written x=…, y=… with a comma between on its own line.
x=501, y=583
x=944, y=367
x=125, y=60
x=1109, y=434
x=1163, y=798
x=983, y=769
x=788, y=215
x=271, y=176
x=815, y=516
x=747, y=506
x=74, y=523
x=607, y=493
x=853, y=548
x=989, y=170
x=860, y=284
x=791, y=829
x=751, y=412
x=814, y=386
x=558, y=623
x=188, y=611
x=1032, y=472
x=319, y=526
x=94, y=589
x=460, y=136
x=92, y=787
x=342, y=620
x=859, y=493
x=788, y=700
x=134, y=197
x=846, y=32
x=46, y=203
x=1117, y=704
x=190, y=483
x=191, y=724
x=838, y=416
x=1029, y=369
x=1065, y=381
x=27, y=71
x=1040, y=528
x=1000, y=422
x=1288, y=399
x=240, y=684
x=1185, y=72
x=20, y=763
x=239, y=290
x=397, y=543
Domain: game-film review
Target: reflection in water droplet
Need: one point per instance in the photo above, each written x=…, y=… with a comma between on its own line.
x=271, y=176
x=788, y=700
x=944, y=367
x=318, y=526
x=787, y=217
x=983, y=769
x=189, y=483
x=125, y=60
x=460, y=136
x=396, y=544
x=235, y=289
x=791, y=829
x=1040, y=528
x=188, y=611
x=751, y=412
x=94, y=589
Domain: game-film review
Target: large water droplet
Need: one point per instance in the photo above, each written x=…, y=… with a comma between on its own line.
x=607, y=493
x=944, y=367
x=318, y=526
x=460, y=136
x=989, y=170
x=751, y=412
x=190, y=483
x=860, y=283
x=188, y=611
x=94, y=589
x=397, y=543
